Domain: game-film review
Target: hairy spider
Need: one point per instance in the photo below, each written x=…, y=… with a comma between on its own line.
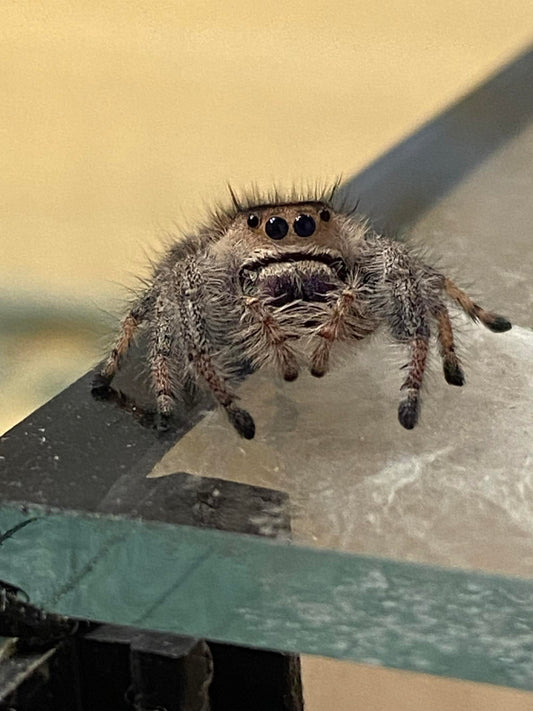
x=280, y=282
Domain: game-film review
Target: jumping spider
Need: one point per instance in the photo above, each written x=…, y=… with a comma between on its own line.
x=280, y=282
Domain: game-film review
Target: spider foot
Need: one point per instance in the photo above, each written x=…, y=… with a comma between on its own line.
x=242, y=421
x=287, y=362
x=290, y=372
x=408, y=413
x=320, y=359
x=496, y=323
x=101, y=387
x=453, y=373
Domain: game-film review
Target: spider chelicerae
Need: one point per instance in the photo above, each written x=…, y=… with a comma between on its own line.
x=280, y=282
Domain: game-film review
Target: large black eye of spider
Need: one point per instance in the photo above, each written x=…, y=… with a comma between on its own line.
x=276, y=227
x=325, y=215
x=253, y=220
x=304, y=225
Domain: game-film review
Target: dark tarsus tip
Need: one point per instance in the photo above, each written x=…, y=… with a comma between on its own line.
x=498, y=324
x=101, y=387
x=318, y=372
x=290, y=375
x=454, y=374
x=408, y=413
x=242, y=421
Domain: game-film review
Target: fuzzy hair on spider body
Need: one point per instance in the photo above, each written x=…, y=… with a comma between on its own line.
x=279, y=282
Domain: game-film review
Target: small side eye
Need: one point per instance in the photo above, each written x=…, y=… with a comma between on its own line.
x=253, y=220
x=324, y=215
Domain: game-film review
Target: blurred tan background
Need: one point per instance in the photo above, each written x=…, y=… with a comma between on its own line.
x=121, y=121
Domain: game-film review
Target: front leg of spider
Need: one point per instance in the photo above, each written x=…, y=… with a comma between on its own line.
x=193, y=336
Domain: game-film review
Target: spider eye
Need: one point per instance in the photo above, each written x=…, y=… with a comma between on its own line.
x=325, y=215
x=276, y=227
x=253, y=220
x=304, y=225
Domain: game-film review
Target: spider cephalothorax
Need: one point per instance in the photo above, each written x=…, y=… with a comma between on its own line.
x=281, y=282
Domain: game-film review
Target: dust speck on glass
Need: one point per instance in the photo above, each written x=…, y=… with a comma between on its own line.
x=279, y=281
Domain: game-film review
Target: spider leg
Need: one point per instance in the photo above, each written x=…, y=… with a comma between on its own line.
x=162, y=337
x=100, y=386
x=409, y=406
x=496, y=323
x=194, y=339
x=239, y=418
x=451, y=364
x=348, y=319
x=332, y=330
x=273, y=338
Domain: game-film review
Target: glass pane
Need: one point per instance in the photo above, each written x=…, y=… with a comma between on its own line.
x=262, y=593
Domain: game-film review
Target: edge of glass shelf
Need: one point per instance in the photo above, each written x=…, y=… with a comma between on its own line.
x=252, y=591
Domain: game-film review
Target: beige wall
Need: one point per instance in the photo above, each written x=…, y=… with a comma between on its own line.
x=119, y=118
x=341, y=686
